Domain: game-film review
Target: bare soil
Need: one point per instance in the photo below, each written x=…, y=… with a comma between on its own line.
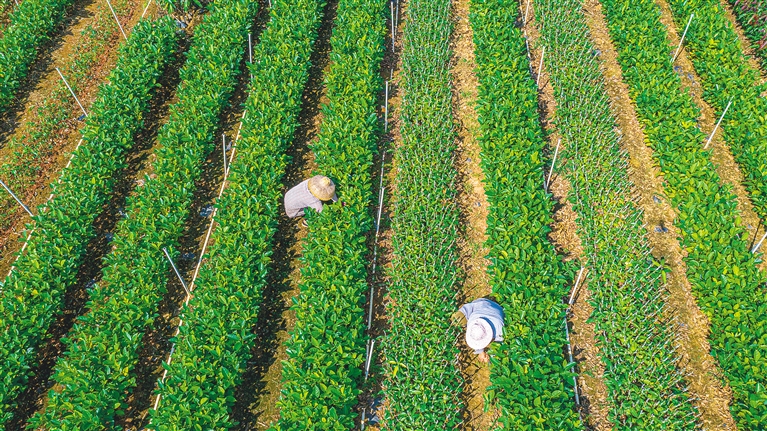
x=257, y=396
x=702, y=375
x=473, y=206
x=595, y=404
x=726, y=167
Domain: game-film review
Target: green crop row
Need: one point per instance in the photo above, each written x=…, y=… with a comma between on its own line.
x=33, y=293
x=726, y=75
x=752, y=16
x=30, y=26
x=634, y=335
x=720, y=267
x=422, y=382
x=531, y=381
x=326, y=348
x=96, y=371
x=35, y=148
x=215, y=341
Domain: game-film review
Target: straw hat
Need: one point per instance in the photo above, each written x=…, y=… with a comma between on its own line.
x=479, y=333
x=322, y=188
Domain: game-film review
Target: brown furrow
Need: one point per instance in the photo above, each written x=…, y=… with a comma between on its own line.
x=590, y=369
x=473, y=207
x=695, y=361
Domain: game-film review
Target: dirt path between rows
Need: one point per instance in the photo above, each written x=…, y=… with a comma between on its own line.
x=590, y=368
x=726, y=167
x=257, y=396
x=695, y=361
x=473, y=207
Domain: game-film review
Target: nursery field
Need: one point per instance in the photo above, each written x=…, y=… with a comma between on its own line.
x=596, y=167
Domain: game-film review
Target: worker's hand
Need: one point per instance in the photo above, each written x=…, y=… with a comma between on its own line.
x=483, y=357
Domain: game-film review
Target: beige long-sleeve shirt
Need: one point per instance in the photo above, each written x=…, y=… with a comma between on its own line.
x=299, y=198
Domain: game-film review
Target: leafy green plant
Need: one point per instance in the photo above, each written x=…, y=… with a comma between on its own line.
x=33, y=293
x=214, y=344
x=720, y=267
x=36, y=147
x=103, y=346
x=634, y=335
x=726, y=76
x=530, y=379
x=326, y=348
x=30, y=26
x=422, y=382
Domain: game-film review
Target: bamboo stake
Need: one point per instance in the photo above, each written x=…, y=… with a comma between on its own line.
x=527, y=8
x=575, y=288
x=146, y=8
x=181, y=279
x=551, y=170
x=540, y=67
x=72, y=92
x=570, y=355
x=687, y=27
x=759, y=244
x=16, y=198
x=117, y=20
x=391, y=6
x=370, y=356
x=717, y=124
x=223, y=148
x=386, y=108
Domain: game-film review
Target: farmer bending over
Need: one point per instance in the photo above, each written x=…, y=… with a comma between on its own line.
x=309, y=194
x=484, y=324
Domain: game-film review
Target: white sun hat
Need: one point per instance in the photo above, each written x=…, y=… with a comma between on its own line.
x=479, y=333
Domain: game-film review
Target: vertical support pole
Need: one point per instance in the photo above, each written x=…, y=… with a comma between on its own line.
x=17, y=199
x=687, y=27
x=540, y=68
x=71, y=92
x=146, y=8
x=717, y=124
x=223, y=148
x=183, y=283
x=527, y=8
x=386, y=108
x=551, y=170
x=575, y=288
x=759, y=244
x=370, y=356
x=117, y=20
x=391, y=6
